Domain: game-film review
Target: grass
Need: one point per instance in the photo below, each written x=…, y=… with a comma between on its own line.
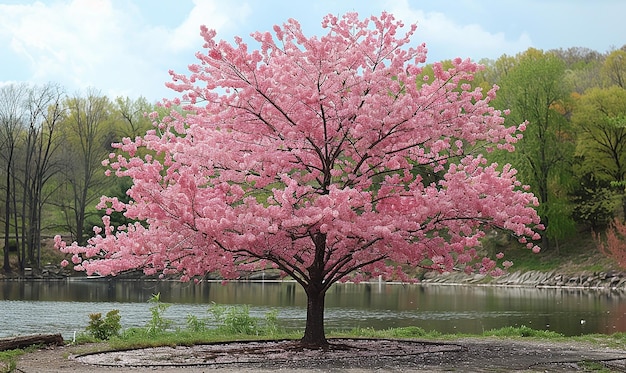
x=575, y=255
x=135, y=338
x=8, y=358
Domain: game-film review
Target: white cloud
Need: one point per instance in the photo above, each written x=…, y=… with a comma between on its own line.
x=453, y=39
x=98, y=43
x=80, y=43
x=213, y=14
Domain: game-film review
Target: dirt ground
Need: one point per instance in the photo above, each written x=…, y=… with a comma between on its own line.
x=348, y=355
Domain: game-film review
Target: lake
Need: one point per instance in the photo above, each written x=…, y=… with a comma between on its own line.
x=29, y=307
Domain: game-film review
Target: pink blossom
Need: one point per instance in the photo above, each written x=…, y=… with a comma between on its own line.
x=282, y=157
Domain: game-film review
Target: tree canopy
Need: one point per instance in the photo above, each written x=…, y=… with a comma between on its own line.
x=308, y=155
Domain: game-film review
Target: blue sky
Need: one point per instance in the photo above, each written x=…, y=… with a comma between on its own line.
x=126, y=47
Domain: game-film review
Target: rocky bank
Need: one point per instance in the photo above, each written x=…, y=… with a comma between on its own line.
x=613, y=280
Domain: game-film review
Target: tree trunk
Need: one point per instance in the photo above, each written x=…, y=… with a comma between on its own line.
x=7, y=221
x=545, y=241
x=314, y=333
x=29, y=340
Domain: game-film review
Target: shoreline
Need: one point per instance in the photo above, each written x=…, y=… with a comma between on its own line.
x=602, y=280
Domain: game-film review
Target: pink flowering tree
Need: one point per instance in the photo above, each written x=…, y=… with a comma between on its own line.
x=329, y=158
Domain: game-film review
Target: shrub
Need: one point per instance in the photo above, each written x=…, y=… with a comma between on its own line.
x=103, y=329
x=614, y=246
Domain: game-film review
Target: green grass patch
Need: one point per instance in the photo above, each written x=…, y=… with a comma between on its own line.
x=523, y=331
x=574, y=255
x=595, y=366
x=8, y=360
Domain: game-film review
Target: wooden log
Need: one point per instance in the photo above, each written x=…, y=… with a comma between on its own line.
x=30, y=340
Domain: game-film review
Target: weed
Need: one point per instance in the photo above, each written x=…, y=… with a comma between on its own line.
x=196, y=325
x=234, y=320
x=595, y=366
x=271, y=327
x=158, y=323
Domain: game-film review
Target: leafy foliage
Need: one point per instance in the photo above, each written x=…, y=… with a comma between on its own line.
x=106, y=328
x=594, y=202
x=534, y=90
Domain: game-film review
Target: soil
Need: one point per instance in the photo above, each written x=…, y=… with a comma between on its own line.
x=345, y=355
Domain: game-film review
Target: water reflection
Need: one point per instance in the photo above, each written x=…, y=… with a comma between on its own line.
x=27, y=307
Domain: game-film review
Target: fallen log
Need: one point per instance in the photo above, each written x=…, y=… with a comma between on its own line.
x=30, y=340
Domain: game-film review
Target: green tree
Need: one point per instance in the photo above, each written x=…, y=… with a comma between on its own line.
x=614, y=68
x=600, y=120
x=534, y=90
x=583, y=68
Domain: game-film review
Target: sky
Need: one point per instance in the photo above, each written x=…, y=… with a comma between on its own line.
x=127, y=47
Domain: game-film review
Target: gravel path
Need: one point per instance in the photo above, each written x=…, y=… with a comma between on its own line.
x=353, y=356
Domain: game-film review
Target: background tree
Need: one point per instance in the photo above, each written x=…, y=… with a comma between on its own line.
x=534, y=91
x=614, y=68
x=302, y=155
x=29, y=116
x=13, y=116
x=494, y=71
x=89, y=132
x=583, y=68
x=133, y=119
x=593, y=199
x=600, y=120
x=40, y=163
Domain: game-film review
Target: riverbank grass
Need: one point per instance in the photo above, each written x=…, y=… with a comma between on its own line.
x=135, y=338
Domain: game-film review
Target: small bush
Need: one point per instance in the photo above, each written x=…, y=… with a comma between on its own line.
x=234, y=320
x=158, y=324
x=103, y=329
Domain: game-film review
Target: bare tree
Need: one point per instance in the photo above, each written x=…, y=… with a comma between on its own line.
x=89, y=134
x=12, y=118
x=40, y=163
x=132, y=116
